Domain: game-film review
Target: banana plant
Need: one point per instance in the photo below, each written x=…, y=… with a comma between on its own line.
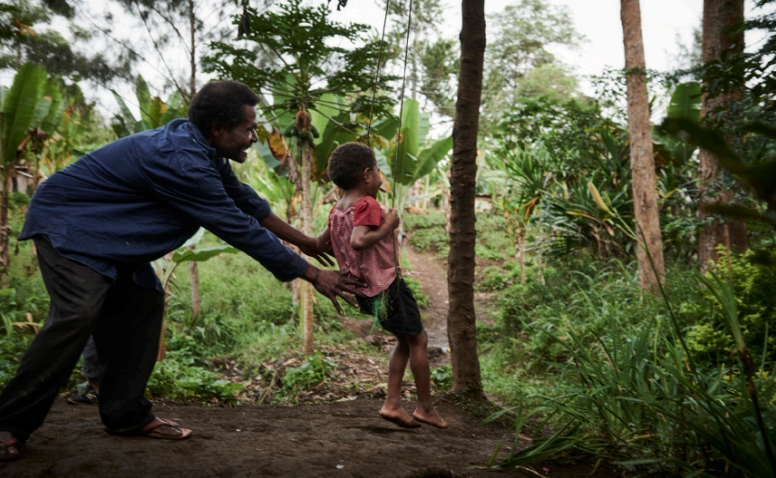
x=165, y=267
x=20, y=105
x=414, y=155
x=685, y=104
x=153, y=111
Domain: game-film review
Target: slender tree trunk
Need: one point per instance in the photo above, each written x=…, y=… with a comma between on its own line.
x=520, y=252
x=192, y=50
x=307, y=228
x=642, y=158
x=193, y=266
x=461, y=319
x=5, y=230
x=718, y=17
x=194, y=280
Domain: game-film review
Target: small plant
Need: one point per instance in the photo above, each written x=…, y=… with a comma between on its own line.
x=443, y=377
x=420, y=297
x=314, y=371
x=413, y=222
x=434, y=238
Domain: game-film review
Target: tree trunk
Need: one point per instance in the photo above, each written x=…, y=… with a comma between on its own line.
x=5, y=230
x=718, y=16
x=193, y=266
x=642, y=158
x=520, y=252
x=192, y=50
x=461, y=319
x=307, y=228
x=194, y=279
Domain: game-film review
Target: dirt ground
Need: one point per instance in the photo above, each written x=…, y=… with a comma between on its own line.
x=337, y=433
x=344, y=439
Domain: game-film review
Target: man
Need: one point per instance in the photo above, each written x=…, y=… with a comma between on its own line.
x=97, y=224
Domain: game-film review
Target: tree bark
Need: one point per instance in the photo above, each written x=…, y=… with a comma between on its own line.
x=5, y=229
x=461, y=319
x=307, y=228
x=642, y=158
x=718, y=17
x=192, y=51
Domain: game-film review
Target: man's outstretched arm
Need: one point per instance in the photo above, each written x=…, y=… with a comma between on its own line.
x=305, y=243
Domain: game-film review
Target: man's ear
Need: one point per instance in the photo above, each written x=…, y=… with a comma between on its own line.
x=366, y=176
x=216, y=129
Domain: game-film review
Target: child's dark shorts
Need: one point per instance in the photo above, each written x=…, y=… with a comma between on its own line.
x=402, y=313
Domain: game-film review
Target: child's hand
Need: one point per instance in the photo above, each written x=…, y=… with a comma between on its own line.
x=392, y=218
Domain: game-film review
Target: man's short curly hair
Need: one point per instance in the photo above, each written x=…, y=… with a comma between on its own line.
x=220, y=102
x=348, y=161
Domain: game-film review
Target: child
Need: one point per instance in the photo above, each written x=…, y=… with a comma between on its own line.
x=361, y=235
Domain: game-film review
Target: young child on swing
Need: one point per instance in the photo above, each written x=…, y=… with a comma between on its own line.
x=361, y=234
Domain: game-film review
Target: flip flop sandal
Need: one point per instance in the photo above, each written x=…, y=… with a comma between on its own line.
x=89, y=397
x=13, y=442
x=150, y=430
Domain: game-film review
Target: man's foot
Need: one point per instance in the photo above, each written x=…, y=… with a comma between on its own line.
x=88, y=397
x=166, y=430
x=9, y=447
x=399, y=417
x=430, y=417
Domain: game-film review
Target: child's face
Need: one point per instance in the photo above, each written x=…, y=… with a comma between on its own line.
x=374, y=181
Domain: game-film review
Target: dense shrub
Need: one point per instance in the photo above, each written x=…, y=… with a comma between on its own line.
x=753, y=276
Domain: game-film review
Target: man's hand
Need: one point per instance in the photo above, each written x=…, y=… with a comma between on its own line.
x=333, y=284
x=310, y=248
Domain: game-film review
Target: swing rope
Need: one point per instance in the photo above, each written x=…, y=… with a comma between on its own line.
x=380, y=302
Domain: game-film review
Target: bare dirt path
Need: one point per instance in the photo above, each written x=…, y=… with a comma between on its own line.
x=427, y=270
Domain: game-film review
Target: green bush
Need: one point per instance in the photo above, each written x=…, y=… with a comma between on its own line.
x=413, y=222
x=434, y=238
x=314, y=371
x=753, y=275
x=494, y=278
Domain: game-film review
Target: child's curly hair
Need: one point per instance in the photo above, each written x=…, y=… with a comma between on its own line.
x=348, y=161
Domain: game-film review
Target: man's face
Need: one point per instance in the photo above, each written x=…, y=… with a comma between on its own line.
x=233, y=143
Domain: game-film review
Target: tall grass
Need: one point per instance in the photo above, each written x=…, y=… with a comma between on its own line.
x=633, y=395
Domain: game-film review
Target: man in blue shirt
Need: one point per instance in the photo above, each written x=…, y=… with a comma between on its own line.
x=97, y=224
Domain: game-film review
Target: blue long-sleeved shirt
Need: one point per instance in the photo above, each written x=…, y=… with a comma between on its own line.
x=142, y=196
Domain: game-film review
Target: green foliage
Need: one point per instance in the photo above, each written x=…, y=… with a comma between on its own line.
x=177, y=377
x=28, y=34
x=753, y=275
x=443, y=377
x=429, y=239
x=323, y=67
x=420, y=297
x=314, y=371
x=423, y=221
x=153, y=111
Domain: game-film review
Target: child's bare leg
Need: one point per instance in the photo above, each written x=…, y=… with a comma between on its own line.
x=425, y=412
x=392, y=409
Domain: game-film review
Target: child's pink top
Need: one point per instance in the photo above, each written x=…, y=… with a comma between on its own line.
x=375, y=265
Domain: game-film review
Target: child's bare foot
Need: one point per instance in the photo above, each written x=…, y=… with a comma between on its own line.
x=431, y=417
x=399, y=417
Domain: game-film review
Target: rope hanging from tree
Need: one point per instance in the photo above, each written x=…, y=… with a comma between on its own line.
x=380, y=302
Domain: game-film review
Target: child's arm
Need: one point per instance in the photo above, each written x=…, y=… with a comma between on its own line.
x=364, y=237
x=324, y=241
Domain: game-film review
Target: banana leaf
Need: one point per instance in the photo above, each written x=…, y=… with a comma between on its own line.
x=144, y=101
x=58, y=106
x=201, y=255
x=18, y=109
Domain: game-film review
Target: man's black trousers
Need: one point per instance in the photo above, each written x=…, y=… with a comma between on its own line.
x=125, y=320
